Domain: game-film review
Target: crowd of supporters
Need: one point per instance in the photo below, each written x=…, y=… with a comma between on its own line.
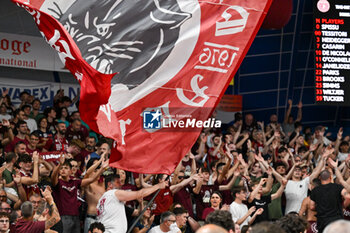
x=55, y=176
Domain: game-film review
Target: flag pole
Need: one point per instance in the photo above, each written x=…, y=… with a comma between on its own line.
x=143, y=211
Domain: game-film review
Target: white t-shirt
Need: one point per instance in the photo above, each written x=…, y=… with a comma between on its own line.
x=342, y=156
x=31, y=123
x=111, y=213
x=5, y=116
x=326, y=141
x=295, y=193
x=238, y=211
x=157, y=229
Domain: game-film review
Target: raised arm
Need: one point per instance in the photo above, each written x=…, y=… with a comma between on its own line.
x=341, y=180
x=231, y=183
x=292, y=142
x=337, y=142
x=201, y=149
x=123, y=195
x=256, y=190
x=249, y=212
x=55, y=216
x=235, y=137
x=20, y=190
x=199, y=184
x=54, y=175
x=10, y=136
x=242, y=141
x=289, y=110
x=177, y=187
x=226, y=167
x=269, y=182
x=96, y=175
x=279, y=191
x=258, y=212
x=321, y=163
x=300, y=112
x=94, y=166
x=35, y=177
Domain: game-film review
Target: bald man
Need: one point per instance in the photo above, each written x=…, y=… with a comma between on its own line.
x=339, y=226
x=211, y=228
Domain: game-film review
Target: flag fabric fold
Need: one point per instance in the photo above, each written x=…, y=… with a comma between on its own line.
x=145, y=67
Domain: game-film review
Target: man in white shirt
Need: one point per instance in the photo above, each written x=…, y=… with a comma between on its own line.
x=239, y=211
x=110, y=207
x=167, y=224
x=31, y=123
x=296, y=189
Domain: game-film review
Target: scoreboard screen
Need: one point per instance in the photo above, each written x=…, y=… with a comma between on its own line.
x=332, y=51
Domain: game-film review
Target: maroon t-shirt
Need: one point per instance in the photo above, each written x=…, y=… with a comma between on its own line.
x=81, y=134
x=162, y=202
x=227, y=197
x=30, y=151
x=66, y=196
x=207, y=211
x=203, y=198
x=26, y=226
x=56, y=144
x=183, y=196
x=29, y=189
x=11, y=147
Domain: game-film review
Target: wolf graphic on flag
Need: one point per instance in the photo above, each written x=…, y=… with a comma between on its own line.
x=173, y=57
x=135, y=51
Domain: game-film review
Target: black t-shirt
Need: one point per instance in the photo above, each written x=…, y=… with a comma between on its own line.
x=262, y=203
x=328, y=201
x=128, y=212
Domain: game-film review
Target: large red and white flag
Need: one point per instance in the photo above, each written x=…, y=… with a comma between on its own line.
x=145, y=66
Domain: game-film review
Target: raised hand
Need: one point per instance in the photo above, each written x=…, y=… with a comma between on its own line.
x=262, y=181
x=225, y=207
x=196, y=177
x=269, y=171
x=277, y=133
x=300, y=104
x=204, y=138
x=5, y=123
x=236, y=173
x=261, y=124
x=5, y=92
x=17, y=179
x=328, y=151
x=332, y=163
x=151, y=219
x=87, y=158
x=284, y=181
x=313, y=147
x=259, y=211
x=35, y=157
x=62, y=158
x=191, y=155
x=47, y=194
x=163, y=184
x=274, y=144
x=340, y=133
x=105, y=164
x=249, y=144
x=251, y=210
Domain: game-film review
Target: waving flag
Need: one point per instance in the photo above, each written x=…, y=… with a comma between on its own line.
x=147, y=66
